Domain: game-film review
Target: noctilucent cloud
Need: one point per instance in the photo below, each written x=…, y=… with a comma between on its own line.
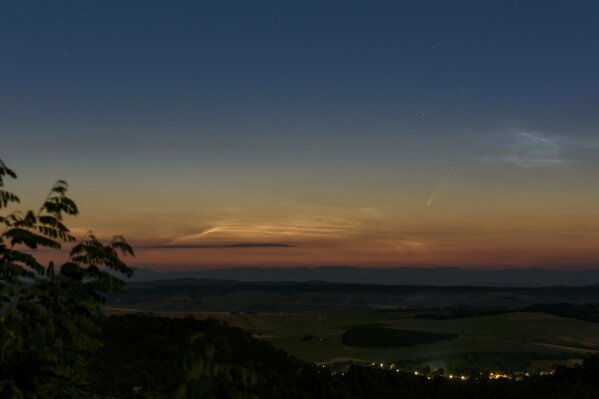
x=270, y=133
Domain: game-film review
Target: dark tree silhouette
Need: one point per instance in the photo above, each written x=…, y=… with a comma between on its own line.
x=49, y=315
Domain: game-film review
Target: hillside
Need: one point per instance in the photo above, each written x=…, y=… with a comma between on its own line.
x=210, y=295
x=434, y=276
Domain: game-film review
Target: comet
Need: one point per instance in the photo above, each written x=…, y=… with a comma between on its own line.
x=432, y=198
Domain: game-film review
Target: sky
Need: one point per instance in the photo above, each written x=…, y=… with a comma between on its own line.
x=309, y=133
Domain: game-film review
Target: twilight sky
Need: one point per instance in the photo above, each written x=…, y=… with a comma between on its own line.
x=276, y=133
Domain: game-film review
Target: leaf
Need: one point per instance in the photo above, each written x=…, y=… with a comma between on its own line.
x=119, y=243
x=10, y=255
x=59, y=205
x=30, y=239
x=5, y=171
x=7, y=198
x=60, y=187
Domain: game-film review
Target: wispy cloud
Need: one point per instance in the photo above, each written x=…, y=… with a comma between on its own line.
x=208, y=246
x=533, y=150
x=238, y=230
x=527, y=149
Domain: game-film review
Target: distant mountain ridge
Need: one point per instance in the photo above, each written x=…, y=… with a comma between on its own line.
x=441, y=276
x=211, y=295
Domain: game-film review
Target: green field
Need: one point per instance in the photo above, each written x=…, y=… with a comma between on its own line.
x=557, y=339
x=374, y=336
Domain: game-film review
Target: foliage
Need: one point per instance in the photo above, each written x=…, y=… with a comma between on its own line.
x=161, y=357
x=48, y=324
x=204, y=377
x=585, y=374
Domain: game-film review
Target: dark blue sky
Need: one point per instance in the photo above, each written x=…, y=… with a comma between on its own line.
x=462, y=63
x=227, y=106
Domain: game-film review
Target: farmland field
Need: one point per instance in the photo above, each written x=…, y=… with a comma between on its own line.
x=491, y=327
x=550, y=339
